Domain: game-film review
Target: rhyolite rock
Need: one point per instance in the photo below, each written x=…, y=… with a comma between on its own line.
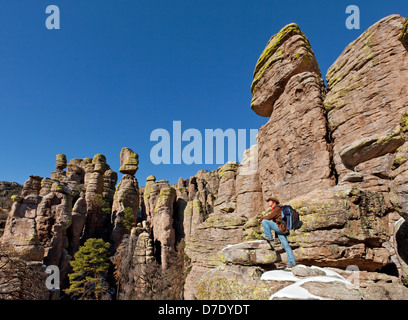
x=338, y=155
x=294, y=156
x=286, y=54
x=403, y=37
x=20, y=231
x=226, y=200
x=399, y=181
x=7, y=190
x=193, y=216
x=248, y=187
x=365, y=102
x=234, y=282
x=78, y=221
x=129, y=161
x=250, y=253
x=61, y=161
x=125, y=208
x=401, y=246
x=343, y=226
x=99, y=162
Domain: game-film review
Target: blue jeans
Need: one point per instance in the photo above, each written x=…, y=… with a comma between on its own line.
x=267, y=226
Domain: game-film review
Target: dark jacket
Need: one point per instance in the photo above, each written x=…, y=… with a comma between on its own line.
x=275, y=216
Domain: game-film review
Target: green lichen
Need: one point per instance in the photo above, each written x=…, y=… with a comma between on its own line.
x=344, y=67
x=151, y=178
x=132, y=158
x=398, y=161
x=16, y=198
x=197, y=204
x=229, y=166
x=273, y=51
x=165, y=195
x=404, y=122
x=224, y=288
x=275, y=42
x=403, y=37
x=223, y=221
x=99, y=158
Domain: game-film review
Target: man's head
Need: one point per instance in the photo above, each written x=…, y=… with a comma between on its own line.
x=272, y=201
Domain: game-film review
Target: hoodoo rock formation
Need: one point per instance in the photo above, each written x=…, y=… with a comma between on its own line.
x=337, y=154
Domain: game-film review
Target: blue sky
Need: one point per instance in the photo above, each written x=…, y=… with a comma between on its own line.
x=119, y=69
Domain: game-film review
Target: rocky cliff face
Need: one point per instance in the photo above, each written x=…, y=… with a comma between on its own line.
x=7, y=189
x=337, y=154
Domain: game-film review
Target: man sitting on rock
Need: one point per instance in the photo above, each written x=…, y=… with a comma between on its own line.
x=273, y=221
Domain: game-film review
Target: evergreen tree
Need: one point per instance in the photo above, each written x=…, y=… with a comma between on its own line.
x=90, y=268
x=129, y=219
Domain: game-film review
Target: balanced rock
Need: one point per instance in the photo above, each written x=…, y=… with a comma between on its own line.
x=286, y=54
x=129, y=161
x=61, y=161
x=99, y=162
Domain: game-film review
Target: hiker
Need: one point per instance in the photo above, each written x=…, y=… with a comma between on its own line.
x=273, y=221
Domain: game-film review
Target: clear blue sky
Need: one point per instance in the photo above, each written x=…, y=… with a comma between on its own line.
x=119, y=69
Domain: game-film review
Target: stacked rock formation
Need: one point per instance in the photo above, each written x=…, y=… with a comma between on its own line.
x=7, y=189
x=294, y=156
x=51, y=217
x=125, y=206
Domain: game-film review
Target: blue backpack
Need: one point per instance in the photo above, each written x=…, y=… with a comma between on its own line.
x=290, y=218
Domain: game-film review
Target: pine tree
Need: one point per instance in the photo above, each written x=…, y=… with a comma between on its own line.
x=90, y=268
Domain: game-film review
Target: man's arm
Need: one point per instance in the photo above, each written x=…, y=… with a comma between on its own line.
x=271, y=215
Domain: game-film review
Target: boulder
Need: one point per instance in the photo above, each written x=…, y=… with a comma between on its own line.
x=234, y=282
x=371, y=147
x=99, y=162
x=129, y=161
x=250, y=254
x=287, y=53
x=61, y=161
